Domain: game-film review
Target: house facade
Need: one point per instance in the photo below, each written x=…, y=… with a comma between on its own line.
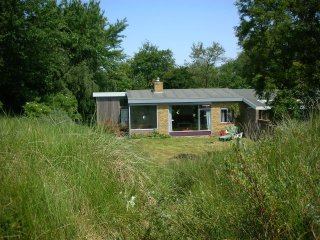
x=179, y=112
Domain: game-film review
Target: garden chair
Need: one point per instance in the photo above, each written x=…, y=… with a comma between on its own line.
x=231, y=133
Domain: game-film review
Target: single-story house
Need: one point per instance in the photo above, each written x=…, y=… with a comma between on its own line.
x=180, y=112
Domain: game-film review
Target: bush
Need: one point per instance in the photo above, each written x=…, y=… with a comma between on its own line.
x=60, y=102
x=154, y=134
x=35, y=109
x=66, y=102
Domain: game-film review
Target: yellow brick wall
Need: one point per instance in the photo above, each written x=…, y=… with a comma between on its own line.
x=142, y=132
x=163, y=119
x=216, y=125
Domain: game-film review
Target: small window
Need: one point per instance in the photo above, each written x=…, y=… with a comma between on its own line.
x=226, y=115
x=263, y=115
x=124, y=116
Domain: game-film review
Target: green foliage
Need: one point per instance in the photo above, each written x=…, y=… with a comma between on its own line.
x=278, y=178
x=178, y=78
x=79, y=80
x=154, y=135
x=286, y=105
x=47, y=47
x=233, y=73
x=117, y=78
x=66, y=103
x=204, y=60
x=36, y=109
x=150, y=63
x=279, y=39
x=235, y=109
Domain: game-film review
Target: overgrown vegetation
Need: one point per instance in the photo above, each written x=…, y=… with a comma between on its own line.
x=63, y=180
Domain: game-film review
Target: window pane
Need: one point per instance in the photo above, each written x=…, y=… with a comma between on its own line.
x=143, y=117
x=224, y=115
x=227, y=115
x=263, y=114
x=205, y=119
x=184, y=117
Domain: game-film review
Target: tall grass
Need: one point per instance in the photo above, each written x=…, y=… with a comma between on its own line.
x=269, y=189
x=60, y=180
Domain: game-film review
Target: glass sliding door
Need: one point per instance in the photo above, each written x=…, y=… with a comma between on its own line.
x=184, y=117
x=205, y=118
x=190, y=117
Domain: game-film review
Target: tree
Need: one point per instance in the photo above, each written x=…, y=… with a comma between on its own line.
x=150, y=63
x=178, y=77
x=280, y=38
x=46, y=48
x=31, y=57
x=233, y=73
x=204, y=60
x=117, y=78
x=93, y=46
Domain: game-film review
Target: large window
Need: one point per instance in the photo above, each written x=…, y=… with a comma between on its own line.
x=143, y=117
x=226, y=115
x=190, y=117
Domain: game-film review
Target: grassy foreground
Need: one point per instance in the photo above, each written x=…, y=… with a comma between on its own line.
x=59, y=180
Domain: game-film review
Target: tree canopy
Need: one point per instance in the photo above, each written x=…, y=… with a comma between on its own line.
x=204, y=60
x=281, y=40
x=150, y=63
x=48, y=48
x=51, y=48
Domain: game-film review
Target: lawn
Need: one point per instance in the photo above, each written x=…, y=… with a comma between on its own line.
x=166, y=149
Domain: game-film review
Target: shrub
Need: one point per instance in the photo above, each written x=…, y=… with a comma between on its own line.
x=67, y=103
x=154, y=134
x=35, y=109
x=60, y=102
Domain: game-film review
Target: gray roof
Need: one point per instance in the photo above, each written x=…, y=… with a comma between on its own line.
x=200, y=95
x=250, y=97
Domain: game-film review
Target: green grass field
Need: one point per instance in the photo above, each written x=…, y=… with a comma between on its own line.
x=163, y=150
x=60, y=180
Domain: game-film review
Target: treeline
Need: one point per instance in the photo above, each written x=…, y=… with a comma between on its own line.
x=50, y=50
x=50, y=47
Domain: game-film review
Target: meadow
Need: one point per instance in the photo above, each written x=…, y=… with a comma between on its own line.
x=61, y=180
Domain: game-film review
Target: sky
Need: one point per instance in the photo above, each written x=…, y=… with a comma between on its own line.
x=175, y=24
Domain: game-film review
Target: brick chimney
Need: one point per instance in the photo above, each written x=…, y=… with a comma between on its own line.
x=157, y=86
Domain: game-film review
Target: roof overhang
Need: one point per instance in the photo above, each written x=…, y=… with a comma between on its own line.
x=109, y=94
x=182, y=100
x=255, y=106
x=159, y=100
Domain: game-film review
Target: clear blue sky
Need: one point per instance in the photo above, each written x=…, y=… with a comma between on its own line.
x=175, y=24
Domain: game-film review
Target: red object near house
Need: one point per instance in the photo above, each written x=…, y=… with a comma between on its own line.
x=222, y=132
